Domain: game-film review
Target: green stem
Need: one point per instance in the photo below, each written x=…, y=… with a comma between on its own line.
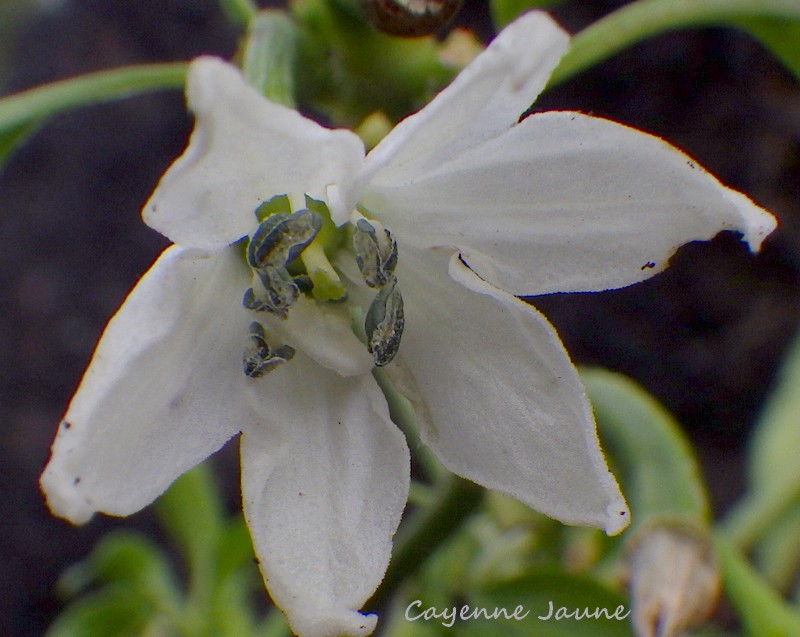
x=404, y=416
x=756, y=514
x=453, y=499
x=268, y=60
x=239, y=12
x=643, y=19
x=761, y=609
x=39, y=103
x=425, y=532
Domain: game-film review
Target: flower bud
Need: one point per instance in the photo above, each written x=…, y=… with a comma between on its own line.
x=674, y=581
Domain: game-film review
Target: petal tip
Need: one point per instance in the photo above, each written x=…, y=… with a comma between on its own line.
x=62, y=493
x=335, y=623
x=618, y=517
x=758, y=226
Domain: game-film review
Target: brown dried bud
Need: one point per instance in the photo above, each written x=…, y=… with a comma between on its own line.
x=674, y=581
x=410, y=18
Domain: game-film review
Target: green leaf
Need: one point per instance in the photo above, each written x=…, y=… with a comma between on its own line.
x=134, y=561
x=136, y=586
x=534, y=594
x=447, y=573
x=273, y=625
x=648, y=451
x=237, y=579
x=781, y=37
x=235, y=549
x=231, y=612
x=776, y=437
x=640, y=20
x=110, y=613
x=773, y=470
x=192, y=513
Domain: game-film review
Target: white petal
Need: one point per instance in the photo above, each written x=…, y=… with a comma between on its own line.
x=323, y=331
x=244, y=150
x=323, y=487
x=505, y=403
x=565, y=202
x=486, y=99
x=162, y=392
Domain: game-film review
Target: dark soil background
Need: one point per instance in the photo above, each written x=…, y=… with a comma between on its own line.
x=705, y=337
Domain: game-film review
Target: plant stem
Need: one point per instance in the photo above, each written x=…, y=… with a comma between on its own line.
x=760, y=608
x=639, y=20
x=268, y=60
x=39, y=103
x=757, y=513
x=239, y=11
x=404, y=416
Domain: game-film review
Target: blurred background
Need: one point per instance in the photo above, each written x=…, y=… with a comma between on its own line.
x=705, y=337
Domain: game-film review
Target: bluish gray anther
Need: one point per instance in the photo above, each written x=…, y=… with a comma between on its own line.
x=258, y=358
x=279, y=240
x=376, y=255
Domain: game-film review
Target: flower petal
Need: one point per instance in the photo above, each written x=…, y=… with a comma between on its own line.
x=565, y=202
x=483, y=101
x=323, y=488
x=244, y=150
x=148, y=407
x=506, y=407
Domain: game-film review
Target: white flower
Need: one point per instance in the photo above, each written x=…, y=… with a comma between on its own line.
x=482, y=207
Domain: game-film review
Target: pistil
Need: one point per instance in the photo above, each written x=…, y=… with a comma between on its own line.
x=327, y=286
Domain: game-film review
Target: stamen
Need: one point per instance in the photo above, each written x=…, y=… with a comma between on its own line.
x=277, y=242
x=376, y=252
x=280, y=288
x=280, y=238
x=258, y=359
x=384, y=323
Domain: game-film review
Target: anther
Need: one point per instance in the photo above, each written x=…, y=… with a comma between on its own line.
x=258, y=358
x=277, y=242
x=280, y=238
x=384, y=323
x=376, y=252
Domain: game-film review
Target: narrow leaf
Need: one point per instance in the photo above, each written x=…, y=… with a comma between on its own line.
x=110, y=613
